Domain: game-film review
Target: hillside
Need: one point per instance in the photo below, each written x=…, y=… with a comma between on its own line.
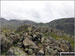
x=14, y=24
x=65, y=24
x=30, y=38
x=34, y=40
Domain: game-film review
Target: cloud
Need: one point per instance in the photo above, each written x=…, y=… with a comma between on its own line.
x=38, y=11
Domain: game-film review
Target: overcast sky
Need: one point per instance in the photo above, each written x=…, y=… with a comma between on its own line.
x=38, y=11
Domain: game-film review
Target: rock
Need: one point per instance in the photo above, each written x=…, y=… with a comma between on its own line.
x=34, y=41
x=42, y=39
x=10, y=52
x=53, y=52
x=16, y=51
x=34, y=48
x=5, y=43
x=26, y=49
x=34, y=36
x=41, y=52
x=65, y=46
x=12, y=33
x=30, y=51
x=46, y=43
x=29, y=29
x=15, y=37
x=37, y=37
x=28, y=42
x=19, y=44
x=21, y=39
x=47, y=50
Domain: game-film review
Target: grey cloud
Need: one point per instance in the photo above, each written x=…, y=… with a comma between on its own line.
x=41, y=11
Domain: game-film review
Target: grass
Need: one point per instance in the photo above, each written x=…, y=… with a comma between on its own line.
x=65, y=37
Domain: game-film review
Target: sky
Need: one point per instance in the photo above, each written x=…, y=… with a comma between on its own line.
x=38, y=11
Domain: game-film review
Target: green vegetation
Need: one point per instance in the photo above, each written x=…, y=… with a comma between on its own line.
x=65, y=37
x=70, y=39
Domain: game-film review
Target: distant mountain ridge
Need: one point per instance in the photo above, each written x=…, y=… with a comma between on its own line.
x=65, y=24
x=13, y=24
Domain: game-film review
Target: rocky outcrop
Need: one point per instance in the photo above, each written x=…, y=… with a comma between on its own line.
x=16, y=51
x=34, y=41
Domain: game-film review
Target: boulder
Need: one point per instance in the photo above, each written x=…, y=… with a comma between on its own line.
x=28, y=42
x=47, y=50
x=5, y=43
x=65, y=45
x=41, y=52
x=30, y=52
x=34, y=48
x=16, y=51
x=37, y=37
x=42, y=39
x=19, y=44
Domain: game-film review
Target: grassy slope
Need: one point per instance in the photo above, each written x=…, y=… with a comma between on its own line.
x=65, y=37
x=70, y=39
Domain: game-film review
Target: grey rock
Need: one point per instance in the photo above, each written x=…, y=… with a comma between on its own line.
x=28, y=42
x=30, y=52
x=16, y=51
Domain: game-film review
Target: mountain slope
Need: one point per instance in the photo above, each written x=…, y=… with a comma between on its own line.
x=14, y=24
x=65, y=24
